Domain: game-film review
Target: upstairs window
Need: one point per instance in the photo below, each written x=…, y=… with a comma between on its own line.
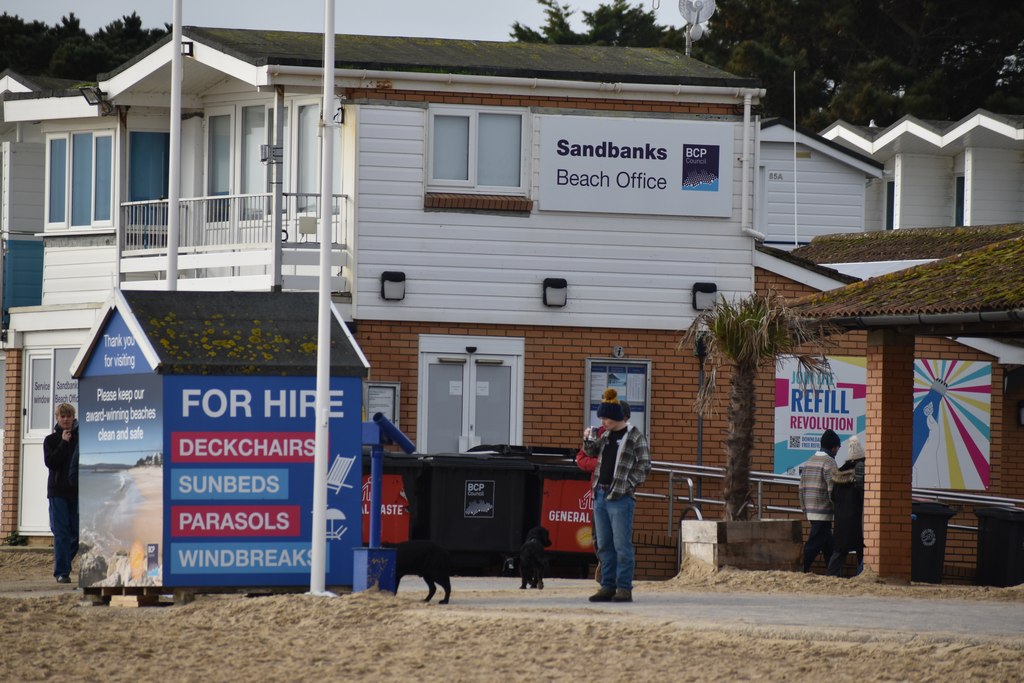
x=80, y=179
x=476, y=151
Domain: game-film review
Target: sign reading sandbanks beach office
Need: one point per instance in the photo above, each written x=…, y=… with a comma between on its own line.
x=642, y=166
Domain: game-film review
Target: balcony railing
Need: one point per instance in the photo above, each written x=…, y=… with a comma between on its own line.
x=244, y=220
x=227, y=242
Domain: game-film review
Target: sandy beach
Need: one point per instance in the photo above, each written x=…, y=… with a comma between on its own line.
x=53, y=633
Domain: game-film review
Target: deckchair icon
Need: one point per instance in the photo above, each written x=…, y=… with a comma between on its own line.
x=339, y=473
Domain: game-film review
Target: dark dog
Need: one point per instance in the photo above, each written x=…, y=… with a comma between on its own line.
x=426, y=559
x=532, y=562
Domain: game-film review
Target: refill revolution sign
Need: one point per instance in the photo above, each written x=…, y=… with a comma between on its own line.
x=650, y=166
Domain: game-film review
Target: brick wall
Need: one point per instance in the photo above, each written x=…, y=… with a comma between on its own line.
x=386, y=95
x=11, y=465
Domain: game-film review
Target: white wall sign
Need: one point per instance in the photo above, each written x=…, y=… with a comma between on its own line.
x=642, y=166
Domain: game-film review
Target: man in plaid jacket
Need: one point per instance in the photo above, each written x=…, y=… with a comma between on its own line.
x=623, y=461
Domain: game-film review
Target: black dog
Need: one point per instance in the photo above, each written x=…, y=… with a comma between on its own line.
x=532, y=562
x=426, y=559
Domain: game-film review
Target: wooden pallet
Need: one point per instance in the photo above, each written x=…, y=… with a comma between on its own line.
x=149, y=596
x=124, y=596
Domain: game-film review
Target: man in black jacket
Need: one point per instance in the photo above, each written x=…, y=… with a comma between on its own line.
x=60, y=452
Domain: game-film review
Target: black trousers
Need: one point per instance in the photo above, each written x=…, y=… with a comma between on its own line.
x=818, y=541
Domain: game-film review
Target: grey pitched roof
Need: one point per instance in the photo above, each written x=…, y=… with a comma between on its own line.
x=43, y=85
x=905, y=243
x=232, y=333
x=594, y=63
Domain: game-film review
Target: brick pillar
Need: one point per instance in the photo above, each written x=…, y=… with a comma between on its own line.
x=889, y=442
x=10, y=462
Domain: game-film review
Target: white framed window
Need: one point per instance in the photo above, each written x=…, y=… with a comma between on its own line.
x=218, y=151
x=79, y=179
x=475, y=150
x=48, y=383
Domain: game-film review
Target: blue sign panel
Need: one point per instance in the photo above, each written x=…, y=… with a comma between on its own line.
x=239, y=480
x=116, y=351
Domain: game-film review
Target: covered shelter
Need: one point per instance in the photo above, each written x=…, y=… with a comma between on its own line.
x=976, y=293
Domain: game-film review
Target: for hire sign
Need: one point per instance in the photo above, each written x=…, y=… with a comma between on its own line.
x=644, y=166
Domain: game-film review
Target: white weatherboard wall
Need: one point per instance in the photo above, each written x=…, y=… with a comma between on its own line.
x=994, y=187
x=623, y=269
x=830, y=195
x=925, y=187
x=79, y=273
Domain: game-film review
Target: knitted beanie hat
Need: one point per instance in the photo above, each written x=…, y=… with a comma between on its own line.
x=854, y=449
x=610, y=406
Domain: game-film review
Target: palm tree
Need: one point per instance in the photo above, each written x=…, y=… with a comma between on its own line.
x=749, y=334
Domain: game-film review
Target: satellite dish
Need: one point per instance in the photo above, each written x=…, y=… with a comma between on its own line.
x=696, y=11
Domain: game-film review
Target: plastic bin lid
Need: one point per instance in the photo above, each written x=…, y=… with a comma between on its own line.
x=920, y=507
x=1011, y=514
x=478, y=460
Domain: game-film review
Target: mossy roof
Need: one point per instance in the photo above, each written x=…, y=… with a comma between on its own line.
x=239, y=333
x=986, y=280
x=487, y=58
x=905, y=243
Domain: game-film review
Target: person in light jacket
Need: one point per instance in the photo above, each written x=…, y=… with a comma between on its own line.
x=816, y=477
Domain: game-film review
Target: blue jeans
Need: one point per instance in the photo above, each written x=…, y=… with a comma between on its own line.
x=64, y=525
x=613, y=524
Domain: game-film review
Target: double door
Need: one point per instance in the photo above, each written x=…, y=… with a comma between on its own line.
x=471, y=393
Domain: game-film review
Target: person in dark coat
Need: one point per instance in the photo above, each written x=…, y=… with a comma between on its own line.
x=848, y=502
x=60, y=453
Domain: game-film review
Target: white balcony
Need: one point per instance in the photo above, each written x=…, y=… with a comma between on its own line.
x=227, y=243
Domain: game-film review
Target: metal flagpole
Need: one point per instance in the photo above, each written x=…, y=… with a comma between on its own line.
x=318, y=560
x=174, y=153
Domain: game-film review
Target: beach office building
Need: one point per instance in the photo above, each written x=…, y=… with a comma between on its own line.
x=514, y=227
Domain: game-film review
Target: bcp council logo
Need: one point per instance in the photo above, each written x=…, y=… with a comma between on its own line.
x=700, y=168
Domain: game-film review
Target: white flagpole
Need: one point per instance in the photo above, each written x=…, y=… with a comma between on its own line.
x=174, y=172
x=318, y=559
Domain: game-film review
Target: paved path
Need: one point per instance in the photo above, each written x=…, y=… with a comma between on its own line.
x=781, y=611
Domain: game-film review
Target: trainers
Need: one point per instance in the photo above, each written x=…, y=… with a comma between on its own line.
x=622, y=595
x=603, y=595
x=63, y=579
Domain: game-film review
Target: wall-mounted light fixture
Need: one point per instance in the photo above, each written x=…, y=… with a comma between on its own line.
x=97, y=98
x=556, y=291
x=704, y=295
x=392, y=285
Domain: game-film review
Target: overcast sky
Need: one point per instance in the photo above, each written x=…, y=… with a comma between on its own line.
x=473, y=19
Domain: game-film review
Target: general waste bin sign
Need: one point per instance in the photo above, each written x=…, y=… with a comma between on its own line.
x=198, y=438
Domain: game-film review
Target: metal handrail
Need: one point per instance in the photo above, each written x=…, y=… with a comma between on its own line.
x=689, y=472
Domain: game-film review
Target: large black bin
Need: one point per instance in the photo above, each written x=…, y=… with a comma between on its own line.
x=476, y=502
x=928, y=549
x=1000, y=546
